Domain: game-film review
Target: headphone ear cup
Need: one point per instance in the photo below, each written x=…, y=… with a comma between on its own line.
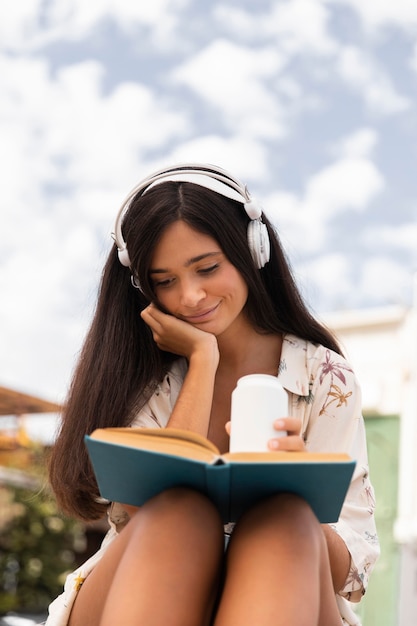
x=259, y=244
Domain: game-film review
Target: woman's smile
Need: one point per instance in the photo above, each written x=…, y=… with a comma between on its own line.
x=201, y=316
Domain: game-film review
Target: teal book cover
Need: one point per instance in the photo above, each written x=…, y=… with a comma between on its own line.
x=133, y=465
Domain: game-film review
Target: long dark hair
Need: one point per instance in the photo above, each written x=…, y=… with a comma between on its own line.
x=120, y=364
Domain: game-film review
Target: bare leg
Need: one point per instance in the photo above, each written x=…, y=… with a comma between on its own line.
x=162, y=569
x=278, y=571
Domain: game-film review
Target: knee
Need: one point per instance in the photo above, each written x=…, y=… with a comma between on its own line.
x=283, y=513
x=185, y=501
x=278, y=529
x=287, y=506
x=184, y=510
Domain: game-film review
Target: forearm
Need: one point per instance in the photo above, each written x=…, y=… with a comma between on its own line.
x=193, y=407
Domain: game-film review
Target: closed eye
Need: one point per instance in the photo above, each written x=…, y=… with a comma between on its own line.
x=208, y=270
x=166, y=282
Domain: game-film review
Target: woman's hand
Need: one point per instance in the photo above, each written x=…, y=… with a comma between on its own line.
x=176, y=336
x=291, y=441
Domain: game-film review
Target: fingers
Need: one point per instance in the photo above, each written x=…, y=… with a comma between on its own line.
x=290, y=443
x=292, y=425
x=291, y=439
x=175, y=335
x=152, y=315
x=159, y=322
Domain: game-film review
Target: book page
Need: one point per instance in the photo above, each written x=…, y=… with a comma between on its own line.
x=173, y=441
x=286, y=457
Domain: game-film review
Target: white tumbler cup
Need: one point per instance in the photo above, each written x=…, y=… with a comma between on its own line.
x=257, y=401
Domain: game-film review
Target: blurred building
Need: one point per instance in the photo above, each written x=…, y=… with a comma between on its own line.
x=381, y=345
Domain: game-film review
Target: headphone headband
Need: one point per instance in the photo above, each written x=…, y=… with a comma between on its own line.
x=210, y=177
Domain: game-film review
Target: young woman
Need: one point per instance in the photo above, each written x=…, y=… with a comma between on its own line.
x=196, y=293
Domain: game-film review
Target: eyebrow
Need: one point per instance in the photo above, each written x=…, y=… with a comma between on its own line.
x=194, y=259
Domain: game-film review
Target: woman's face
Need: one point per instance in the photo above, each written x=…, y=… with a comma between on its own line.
x=194, y=281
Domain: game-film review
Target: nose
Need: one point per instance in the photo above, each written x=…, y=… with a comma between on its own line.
x=192, y=293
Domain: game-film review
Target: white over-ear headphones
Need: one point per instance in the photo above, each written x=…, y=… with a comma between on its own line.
x=210, y=177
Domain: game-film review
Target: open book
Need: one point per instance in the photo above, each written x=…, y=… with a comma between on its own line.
x=134, y=464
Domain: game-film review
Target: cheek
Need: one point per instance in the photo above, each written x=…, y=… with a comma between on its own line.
x=240, y=287
x=166, y=302
x=161, y=300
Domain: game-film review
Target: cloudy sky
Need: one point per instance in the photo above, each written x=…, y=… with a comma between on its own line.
x=311, y=102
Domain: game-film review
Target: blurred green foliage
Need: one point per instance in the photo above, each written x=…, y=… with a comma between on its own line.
x=38, y=546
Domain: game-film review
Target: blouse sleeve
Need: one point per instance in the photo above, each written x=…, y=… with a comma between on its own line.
x=336, y=424
x=156, y=412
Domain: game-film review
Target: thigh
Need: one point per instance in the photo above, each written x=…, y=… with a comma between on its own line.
x=278, y=570
x=170, y=551
x=88, y=605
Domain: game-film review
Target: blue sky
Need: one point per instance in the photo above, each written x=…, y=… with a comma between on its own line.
x=311, y=102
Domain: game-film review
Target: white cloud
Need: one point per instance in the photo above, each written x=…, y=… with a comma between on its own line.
x=245, y=158
x=349, y=183
x=32, y=24
x=385, y=280
x=413, y=60
x=106, y=137
x=235, y=80
x=302, y=26
x=401, y=237
x=63, y=130
x=359, y=144
x=327, y=281
x=299, y=26
x=362, y=73
x=287, y=212
x=333, y=282
x=18, y=22
x=379, y=13
x=83, y=16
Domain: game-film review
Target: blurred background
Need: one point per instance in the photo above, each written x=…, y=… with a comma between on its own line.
x=312, y=103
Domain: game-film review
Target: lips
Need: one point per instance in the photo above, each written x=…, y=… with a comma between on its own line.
x=200, y=316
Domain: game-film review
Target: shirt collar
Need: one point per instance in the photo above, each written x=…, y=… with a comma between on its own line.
x=293, y=373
